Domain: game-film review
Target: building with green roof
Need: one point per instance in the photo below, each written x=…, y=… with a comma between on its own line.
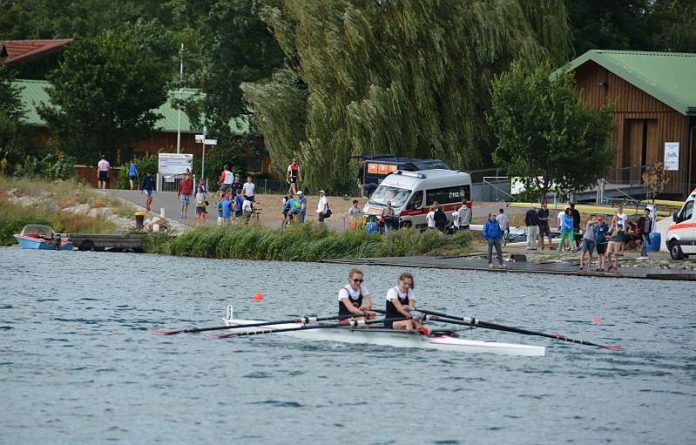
x=33, y=93
x=653, y=96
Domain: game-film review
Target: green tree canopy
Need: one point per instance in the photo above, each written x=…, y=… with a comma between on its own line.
x=105, y=90
x=408, y=77
x=546, y=135
x=12, y=142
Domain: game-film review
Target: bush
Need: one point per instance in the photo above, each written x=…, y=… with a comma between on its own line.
x=309, y=242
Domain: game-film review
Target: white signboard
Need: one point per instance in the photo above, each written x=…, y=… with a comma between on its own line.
x=174, y=164
x=200, y=138
x=210, y=142
x=672, y=156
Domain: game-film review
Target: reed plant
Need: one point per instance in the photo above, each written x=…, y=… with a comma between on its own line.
x=307, y=242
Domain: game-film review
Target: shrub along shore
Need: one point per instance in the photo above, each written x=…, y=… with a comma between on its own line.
x=306, y=242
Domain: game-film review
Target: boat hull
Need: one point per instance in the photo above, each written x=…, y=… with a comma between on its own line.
x=26, y=242
x=399, y=339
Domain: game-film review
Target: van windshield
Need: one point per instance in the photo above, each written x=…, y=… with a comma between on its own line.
x=384, y=193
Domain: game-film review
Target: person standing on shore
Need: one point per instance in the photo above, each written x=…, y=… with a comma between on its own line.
x=201, y=199
x=544, y=229
x=303, y=206
x=294, y=176
x=502, y=219
x=184, y=193
x=148, y=186
x=103, y=169
x=601, y=229
x=588, y=242
x=248, y=189
x=132, y=175
x=238, y=205
x=492, y=234
x=226, y=180
x=322, y=206
x=354, y=214
x=531, y=220
x=566, y=230
x=645, y=225
x=576, y=225
x=439, y=217
x=354, y=298
x=464, y=215
x=621, y=219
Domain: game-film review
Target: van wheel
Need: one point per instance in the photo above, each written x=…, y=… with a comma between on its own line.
x=87, y=245
x=675, y=250
x=405, y=225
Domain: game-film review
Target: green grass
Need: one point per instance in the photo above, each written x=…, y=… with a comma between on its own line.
x=308, y=242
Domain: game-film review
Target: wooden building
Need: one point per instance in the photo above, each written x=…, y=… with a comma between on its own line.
x=653, y=96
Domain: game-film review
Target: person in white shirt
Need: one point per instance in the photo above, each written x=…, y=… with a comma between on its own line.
x=399, y=298
x=354, y=299
x=430, y=218
x=322, y=206
x=249, y=189
x=226, y=180
x=464, y=215
x=103, y=168
x=621, y=220
x=502, y=219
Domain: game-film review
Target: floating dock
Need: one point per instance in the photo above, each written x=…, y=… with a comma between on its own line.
x=132, y=242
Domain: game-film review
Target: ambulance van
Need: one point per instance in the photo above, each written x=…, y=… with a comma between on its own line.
x=412, y=194
x=681, y=236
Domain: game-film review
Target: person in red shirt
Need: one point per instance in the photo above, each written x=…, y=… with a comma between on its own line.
x=293, y=176
x=185, y=192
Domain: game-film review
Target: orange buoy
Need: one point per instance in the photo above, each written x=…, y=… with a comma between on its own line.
x=258, y=296
x=596, y=320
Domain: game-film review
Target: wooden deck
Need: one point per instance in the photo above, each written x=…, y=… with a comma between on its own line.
x=117, y=243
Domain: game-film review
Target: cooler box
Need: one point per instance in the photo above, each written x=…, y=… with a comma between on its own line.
x=655, y=239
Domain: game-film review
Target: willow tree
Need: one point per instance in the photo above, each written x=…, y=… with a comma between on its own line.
x=405, y=77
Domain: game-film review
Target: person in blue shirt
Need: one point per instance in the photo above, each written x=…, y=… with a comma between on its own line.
x=493, y=234
x=148, y=187
x=132, y=174
x=566, y=230
x=238, y=203
x=292, y=207
x=226, y=206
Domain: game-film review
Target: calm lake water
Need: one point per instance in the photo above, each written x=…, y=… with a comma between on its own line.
x=78, y=362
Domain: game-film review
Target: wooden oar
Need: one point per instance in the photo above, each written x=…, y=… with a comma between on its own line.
x=470, y=321
x=341, y=324
x=303, y=320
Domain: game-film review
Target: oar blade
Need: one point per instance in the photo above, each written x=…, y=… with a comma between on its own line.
x=614, y=347
x=166, y=332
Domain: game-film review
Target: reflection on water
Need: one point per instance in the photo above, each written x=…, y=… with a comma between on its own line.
x=78, y=362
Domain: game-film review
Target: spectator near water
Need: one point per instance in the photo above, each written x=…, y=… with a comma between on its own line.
x=492, y=234
x=504, y=224
x=293, y=176
x=645, y=224
x=238, y=204
x=322, y=206
x=600, y=232
x=588, y=242
x=354, y=214
x=531, y=220
x=303, y=206
x=615, y=245
x=440, y=218
x=201, y=199
x=576, y=224
x=226, y=179
x=226, y=208
x=148, y=186
x=566, y=230
x=103, y=168
x=184, y=193
x=544, y=229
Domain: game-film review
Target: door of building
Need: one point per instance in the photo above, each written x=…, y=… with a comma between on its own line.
x=639, y=148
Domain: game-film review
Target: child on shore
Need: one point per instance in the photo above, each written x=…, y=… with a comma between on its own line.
x=201, y=203
x=225, y=209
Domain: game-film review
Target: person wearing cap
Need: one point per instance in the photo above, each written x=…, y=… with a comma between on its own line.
x=531, y=220
x=322, y=206
x=303, y=205
x=645, y=225
x=566, y=230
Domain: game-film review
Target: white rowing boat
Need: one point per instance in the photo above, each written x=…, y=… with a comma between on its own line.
x=387, y=337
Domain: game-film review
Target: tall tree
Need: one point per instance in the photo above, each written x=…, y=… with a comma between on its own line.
x=408, y=77
x=546, y=135
x=239, y=48
x=104, y=92
x=12, y=141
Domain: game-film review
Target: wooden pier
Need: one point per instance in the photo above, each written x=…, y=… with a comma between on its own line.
x=132, y=242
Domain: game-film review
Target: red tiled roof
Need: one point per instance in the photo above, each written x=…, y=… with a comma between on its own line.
x=12, y=51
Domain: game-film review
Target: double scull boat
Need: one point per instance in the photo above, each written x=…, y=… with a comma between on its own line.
x=385, y=337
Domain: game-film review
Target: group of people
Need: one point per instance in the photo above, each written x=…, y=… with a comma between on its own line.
x=234, y=200
x=436, y=218
x=354, y=300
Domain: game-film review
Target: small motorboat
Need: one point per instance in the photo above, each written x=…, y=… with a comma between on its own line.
x=38, y=236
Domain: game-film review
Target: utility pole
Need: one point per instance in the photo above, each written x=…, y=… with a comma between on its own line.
x=181, y=87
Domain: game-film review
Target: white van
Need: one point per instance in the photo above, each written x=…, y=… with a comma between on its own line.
x=413, y=193
x=681, y=236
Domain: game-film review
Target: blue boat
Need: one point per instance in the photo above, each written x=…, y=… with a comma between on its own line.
x=38, y=236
